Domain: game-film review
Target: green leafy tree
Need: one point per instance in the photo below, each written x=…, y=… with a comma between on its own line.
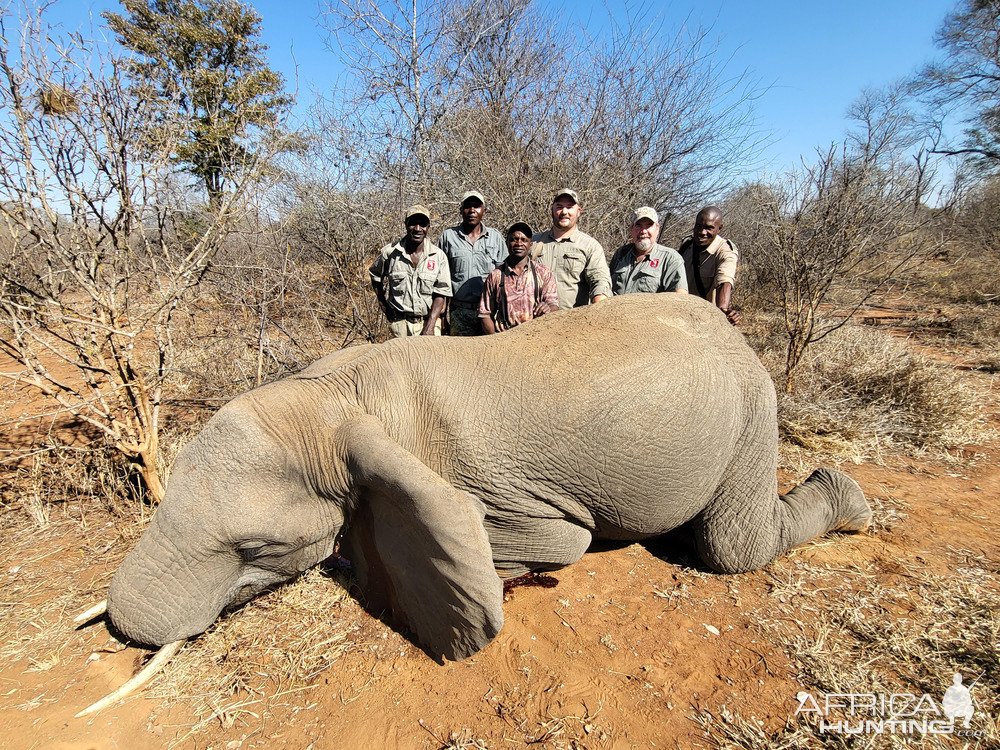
x=202, y=59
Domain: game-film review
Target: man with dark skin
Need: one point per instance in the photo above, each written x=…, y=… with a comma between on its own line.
x=412, y=280
x=519, y=289
x=473, y=250
x=710, y=261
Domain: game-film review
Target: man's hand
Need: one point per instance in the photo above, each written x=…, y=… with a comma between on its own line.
x=733, y=315
x=543, y=307
x=437, y=310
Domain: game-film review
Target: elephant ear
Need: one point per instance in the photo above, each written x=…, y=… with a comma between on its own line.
x=419, y=547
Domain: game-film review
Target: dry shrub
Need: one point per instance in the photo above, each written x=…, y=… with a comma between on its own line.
x=84, y=476
x=979, y=328
x=51, y=475
x=967, y=278
x=863, y=391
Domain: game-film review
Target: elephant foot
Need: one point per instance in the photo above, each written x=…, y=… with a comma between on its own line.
x=853, y=513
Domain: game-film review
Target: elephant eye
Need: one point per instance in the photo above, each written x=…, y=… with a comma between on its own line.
x=257, y=549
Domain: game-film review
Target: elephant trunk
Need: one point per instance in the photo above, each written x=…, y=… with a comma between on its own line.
x=161, y=594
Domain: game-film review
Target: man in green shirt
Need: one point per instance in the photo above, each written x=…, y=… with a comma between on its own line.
x=411, y=279
x=643, y=265
x=473, y=250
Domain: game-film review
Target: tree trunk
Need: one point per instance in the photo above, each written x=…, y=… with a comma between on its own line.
x=793, y=358
x=148, y=462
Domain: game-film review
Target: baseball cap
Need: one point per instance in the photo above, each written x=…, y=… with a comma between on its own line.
x=417, y=210
x=646, y=212
x=520, y=226
x=472, y=194
x=566, y=191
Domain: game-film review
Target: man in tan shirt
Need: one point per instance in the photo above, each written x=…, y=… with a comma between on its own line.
x=710, y=262
x=576, y=258
x=412, y=280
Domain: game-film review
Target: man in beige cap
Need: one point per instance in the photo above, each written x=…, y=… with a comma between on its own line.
x=412, y=280
x=473, y=250
x=576, y=258
x=643, y=265
x=710, y=262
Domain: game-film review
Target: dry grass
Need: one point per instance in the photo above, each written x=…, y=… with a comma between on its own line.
x=968, y=279
x=859, y=630
x=864, y=393
x=246, y=666
x=978, y=328
x=42, y=589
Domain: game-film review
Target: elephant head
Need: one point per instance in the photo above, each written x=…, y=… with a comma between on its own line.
x=238, y=518
x=249, y=505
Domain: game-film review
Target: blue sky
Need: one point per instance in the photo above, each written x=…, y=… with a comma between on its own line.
x=813, y=57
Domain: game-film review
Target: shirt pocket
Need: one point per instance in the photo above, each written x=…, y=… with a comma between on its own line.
x=647, y=279
x=399, y=279
x=571, y=266
x=462, y=264
x=425, y=282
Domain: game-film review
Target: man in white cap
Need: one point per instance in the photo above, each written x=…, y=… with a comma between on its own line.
x=411, y=279
x=576, y=258
x=473, y=250
x=710, y=261
x=643, y=265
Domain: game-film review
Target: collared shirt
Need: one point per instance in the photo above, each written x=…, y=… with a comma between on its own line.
x=471, y=262
x=578, y=263
x=509, y=297
x=716, y=265
x=410, y=289
x=662, y=270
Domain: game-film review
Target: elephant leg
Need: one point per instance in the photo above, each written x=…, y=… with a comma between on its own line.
x=420, y=544
x=523, y=544
x=747, y=524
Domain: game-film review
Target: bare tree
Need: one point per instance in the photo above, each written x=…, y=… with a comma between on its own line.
x=966, y=81
x=842, y=226
x=106, y=248
x=448, y=96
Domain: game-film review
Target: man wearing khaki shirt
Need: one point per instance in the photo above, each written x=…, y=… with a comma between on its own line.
x=411, y=279
x=710, y=261
x=576, y=258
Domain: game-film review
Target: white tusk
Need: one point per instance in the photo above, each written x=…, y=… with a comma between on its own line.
x=98, y=609
x=165, y=654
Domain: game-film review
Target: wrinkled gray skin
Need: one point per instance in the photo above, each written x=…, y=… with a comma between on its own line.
x=445, y=459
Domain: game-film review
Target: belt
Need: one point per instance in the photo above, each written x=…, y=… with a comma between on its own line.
x=398, y=317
